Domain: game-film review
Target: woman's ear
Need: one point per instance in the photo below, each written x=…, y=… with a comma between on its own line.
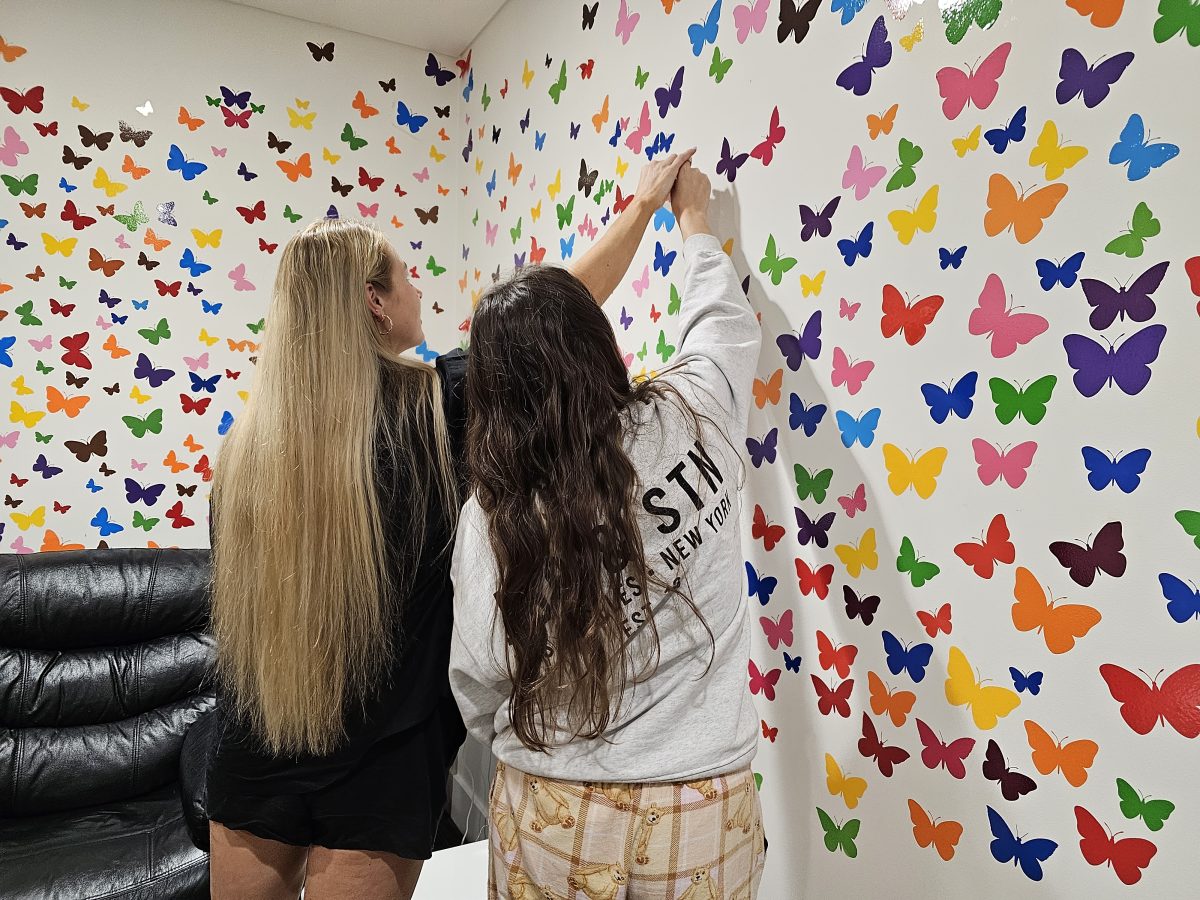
x=374, y=301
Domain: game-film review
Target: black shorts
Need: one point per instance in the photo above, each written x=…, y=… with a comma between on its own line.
x=391, y=800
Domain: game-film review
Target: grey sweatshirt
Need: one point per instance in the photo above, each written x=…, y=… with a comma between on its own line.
x=682, y=723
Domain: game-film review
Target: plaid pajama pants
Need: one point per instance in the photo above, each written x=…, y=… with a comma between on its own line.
x=565, y=840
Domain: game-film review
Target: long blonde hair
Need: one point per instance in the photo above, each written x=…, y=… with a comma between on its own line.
x=307, y=587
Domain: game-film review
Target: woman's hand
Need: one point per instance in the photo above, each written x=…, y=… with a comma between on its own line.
x=689, y=200
x=658, y=177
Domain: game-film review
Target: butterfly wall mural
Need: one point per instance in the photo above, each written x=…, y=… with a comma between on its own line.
x=971, y=540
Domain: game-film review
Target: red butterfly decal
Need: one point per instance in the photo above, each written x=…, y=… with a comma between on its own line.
x=912, y=318
x=995, y=548
x=1176, y=701
x=1127, y=856
x=871, y=747
x=952, y=756
x=831, y=698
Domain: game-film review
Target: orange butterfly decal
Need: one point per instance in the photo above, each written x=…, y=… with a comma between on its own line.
x=56, y=401
x=1060, y=625
x=365, y=109
x=895, y=704
x=1104, y=13
x=514, y=168
x=51, y=541
x=173, y=463
x=390, y=143
x=185, y=118
x=190, y=443
x=1025, y=213
x=132, y=168
x=882, y=123
x=768, y=391
x=98, y=263
x=155, y=241
x=944, y=836
x=10, y=52
x=114, y=349
x=301, y=168
x=1072, y=758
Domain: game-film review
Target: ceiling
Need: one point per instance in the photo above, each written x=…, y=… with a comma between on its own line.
x=445, y=26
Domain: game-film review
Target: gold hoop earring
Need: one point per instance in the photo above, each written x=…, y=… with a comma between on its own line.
x=389, y=324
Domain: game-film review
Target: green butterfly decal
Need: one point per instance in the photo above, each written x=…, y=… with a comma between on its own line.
x=1178, y=17
x=664, y=349
x=839, y=837
x=43, y=369
x=1028, y=402
x=1134, y=806
x=258, y=108
x=257, y=327
x=42, y=438
x=18, y=186
x=433, y=267
x=566, y=213
x=475, y=219
x=292, y=217
x=758, y=780
x=25, y=311
x=815, y=485
x=213, y=101
x=209, y=198
x=603, y=190
x=919, y=571
x=140, y=521
x=160, y=332
x=640, y=78
x=1190, y=520
x=62, y=282
x=559, y=86
x=719, y=67
x=135, y=219
x=641, y=354
x=1133, y=242
x=140, y=427
x=773, y=264
x=959, y=17
x=515, y=231
x=674, y=302
x=906, y=173
x=349, y=137
x=485, y=100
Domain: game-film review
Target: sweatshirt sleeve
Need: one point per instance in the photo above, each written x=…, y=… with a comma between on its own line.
x=480, y=686
x=719, y=335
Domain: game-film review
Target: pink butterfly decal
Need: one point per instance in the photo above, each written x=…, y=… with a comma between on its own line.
x=952, y=756
x=238, y=276
x=19, y=545
x=855, y=501
x=778, y=631
x=490, y=231
x=763, y=684
x=979, y=86
x=639, y=134
x=848, y=310
x=423, y=175
x=640, y=284
x=628, y=360
x=43, y=344
x=10, y=439
x=12, y=147
x=852, y=375
x=101, y=322
x=626, y=22
x=859, y=176
x=121, y=242
x=218, y=151
x=137, y=465
x=750, y=18
x=1010, y=465
x=993, y=316
x=197, y=362
x=368, y=211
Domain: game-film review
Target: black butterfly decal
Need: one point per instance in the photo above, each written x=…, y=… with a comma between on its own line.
x=72, y=159
x=436, y=72
x=144, y=260
x=495, y=135
x=796, y=21
x=246, y=173
x=74, y=380
x=89, y=138
x=427, y=216
x=443, y=112
x=319, y=53
x=589, y=15
x=587, y=180
x=1103, y=554
x=274, y=143
x=1013, y=785
x=339, y=188
x=85, y=450
x=388, y=86
x=137, y=138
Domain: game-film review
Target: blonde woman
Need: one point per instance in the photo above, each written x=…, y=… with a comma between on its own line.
x=334, y=506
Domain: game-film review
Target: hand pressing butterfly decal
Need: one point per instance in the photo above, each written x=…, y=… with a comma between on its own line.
x=1127, y=857
x=1059, y=624
x=938, y=754
x=1143, y=706
x=871, y=747
x=996, y=547
x=1050, y=755
x=1013, y=784
x=1103, y=555
x=942, y=836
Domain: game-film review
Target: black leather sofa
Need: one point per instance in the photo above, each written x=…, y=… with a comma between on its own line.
x=107, y=711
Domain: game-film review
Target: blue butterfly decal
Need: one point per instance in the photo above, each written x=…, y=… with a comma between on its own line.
x=761, y=586
x=791, y=663
x=664, y=218
x=208, y=385
x=1125, y=472
x=1031, y=683
x=848, y=8
x=1053, y=274
x=806, y=417
x=226, y=422
x=959, y=399
x=913, y=660
x=102, y=522
x=1007, y=847
x=663, y=261
x=188, y=261
x=853, y=249
x=1183, y=600
x=567, y=247
x=423, y=350
x=951, y=259
x=861, y=429
x=207, y=307
x=705, y=32
x=176, y=162
x=764, y=450
x=1133, y=148
x=1012, y=133
x=539, y=139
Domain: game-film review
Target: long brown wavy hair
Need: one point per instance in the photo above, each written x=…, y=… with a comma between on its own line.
x=307, y=589
x=549, y=396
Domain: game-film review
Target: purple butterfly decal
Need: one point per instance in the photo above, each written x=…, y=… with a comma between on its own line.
x=1103, y=554
x=42, y=465
x=810, y=531
x=519, y=260
x=819, y=223
x=148, y=494
x=669, y=96
x=232, y=99
x=729, y=163
x=145, y=369
x=857, y=76
x=626, y=319
x=764, y=450
x=436, y=72
x=1092, y=82
x=796, y=346
x=1128, y=366
x=107, y=299
x=1134, y=302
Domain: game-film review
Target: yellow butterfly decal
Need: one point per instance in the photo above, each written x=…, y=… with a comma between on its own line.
x=850, y=789
x=20, y=387
x=812, y=286
x=535, y=212
x=37, y=517
x=212, y=239
x=727, y=246
x=208, y=339
x=527, y=75
x=906, y=471
x=556, y=185
x=137, y=395
x=53, y=245
x=296, y=120
x=28, y=418
x=103, y=182
x=622, y=167
x=302, y=104
x=907, y=222
x=908, y=41
x=243, y=395
x=856, y=557
x=78, y=104
x=987, y=704
x=330, y=157
x=964, y=145
x=478, y=164
x=433, y=152
x=1051, y=154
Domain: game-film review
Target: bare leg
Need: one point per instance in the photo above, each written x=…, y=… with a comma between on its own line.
x=353, y=874
x=243, y=865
